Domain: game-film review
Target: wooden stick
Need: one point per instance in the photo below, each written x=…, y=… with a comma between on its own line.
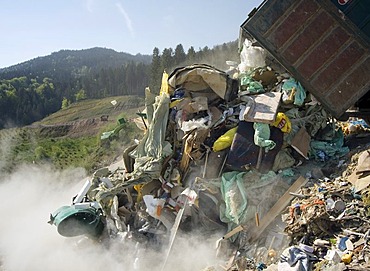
x=259, y=159
x=257, y=219
x=233, y=231
x=223, y=165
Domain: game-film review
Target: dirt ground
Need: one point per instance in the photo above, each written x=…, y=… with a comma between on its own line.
x=74, y=129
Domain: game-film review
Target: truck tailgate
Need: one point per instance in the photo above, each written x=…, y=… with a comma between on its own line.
x=318, y=46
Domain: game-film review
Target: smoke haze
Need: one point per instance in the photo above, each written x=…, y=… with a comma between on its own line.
x=28, y=242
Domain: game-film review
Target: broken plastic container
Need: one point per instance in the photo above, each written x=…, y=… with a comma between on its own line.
x=74, y=221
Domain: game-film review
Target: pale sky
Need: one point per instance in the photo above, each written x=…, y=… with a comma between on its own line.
x=39, y=27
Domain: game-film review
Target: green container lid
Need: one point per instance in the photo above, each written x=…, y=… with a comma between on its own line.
x=74, y=221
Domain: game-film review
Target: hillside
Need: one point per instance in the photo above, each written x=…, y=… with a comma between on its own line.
x=37, y=88
x=71, y=137
x=72, y=62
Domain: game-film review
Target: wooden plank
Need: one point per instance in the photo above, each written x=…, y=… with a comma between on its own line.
x=233, y=232
x=278, y=207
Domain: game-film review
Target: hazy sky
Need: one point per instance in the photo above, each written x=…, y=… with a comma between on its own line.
x=37, y=28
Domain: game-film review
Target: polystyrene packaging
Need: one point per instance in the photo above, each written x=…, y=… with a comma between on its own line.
x=251, y=57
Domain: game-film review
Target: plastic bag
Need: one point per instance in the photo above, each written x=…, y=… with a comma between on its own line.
x=251, y=57
x=225, y=140
x=164, y=85
x=155, y=208
x=283, y=123
x=324, y=150
x=262, y=135
x=154, y=205
x=293, y=92
x=235, y=195
x=249, y=84
x=283, y=160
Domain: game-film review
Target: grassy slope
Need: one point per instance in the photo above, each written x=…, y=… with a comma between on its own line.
x=94, y=108
x=71, y=137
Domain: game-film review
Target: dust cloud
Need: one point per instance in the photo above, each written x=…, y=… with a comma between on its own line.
x=28, y=242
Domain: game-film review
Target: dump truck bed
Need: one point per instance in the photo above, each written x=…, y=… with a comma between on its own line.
x=318, y=45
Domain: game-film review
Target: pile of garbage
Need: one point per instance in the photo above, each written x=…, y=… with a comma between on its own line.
x=329, y=222
x=226, y=152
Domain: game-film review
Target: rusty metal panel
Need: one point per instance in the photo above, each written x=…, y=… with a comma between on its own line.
x=271, y=14
x=303, y=42
x=339, y=67
x=291, y=23
x=321, y=50
x=349, y=90
x=322, y=53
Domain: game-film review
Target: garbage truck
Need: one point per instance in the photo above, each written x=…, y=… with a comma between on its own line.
x=323, y=44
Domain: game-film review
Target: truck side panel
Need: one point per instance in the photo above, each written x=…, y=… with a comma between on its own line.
x=321, y=49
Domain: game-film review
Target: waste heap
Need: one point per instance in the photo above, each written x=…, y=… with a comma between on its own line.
x=227, y=152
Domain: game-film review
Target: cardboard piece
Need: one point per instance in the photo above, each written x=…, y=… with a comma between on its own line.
x=363, y=163
x=197, y=104
x=301, y=142
x=265, y=107
x=360, y=177
x=266, y=77
x=362, y=183
x=215, y=114
x=353, y=177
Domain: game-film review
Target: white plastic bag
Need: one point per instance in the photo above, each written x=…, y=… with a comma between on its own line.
x=251, y=57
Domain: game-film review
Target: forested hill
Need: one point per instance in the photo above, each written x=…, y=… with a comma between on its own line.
x=60, y=65
x=39, y=87
x=32, y=90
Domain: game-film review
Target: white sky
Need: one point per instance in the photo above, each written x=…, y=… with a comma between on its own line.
x=37, y=28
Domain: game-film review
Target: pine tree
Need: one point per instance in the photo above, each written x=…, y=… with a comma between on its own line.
x=155, y=71
x=191, y=57
x=167, y=60
x=65, y=103
x=180, y=55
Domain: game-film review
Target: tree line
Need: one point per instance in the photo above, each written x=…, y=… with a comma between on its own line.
x=30, y=92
